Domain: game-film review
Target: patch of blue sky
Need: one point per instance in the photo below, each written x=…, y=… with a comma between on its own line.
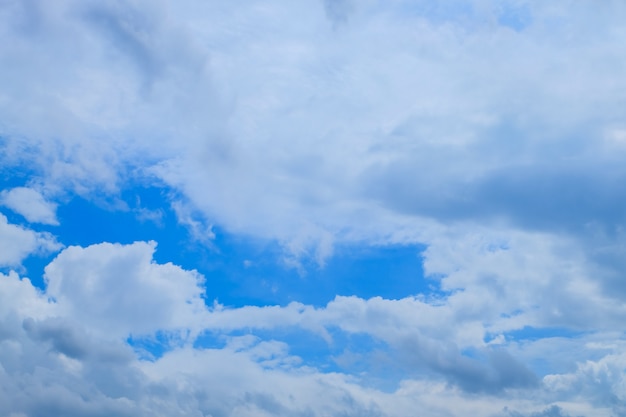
x=536, y=333
x=387, y=271
x=514, y=16
x=150, y=348
x=239, y=270
x=359, y=355
x=303, y=344
x=32, y=267
x=549, y=365
x=11, y=176
x=440, y=12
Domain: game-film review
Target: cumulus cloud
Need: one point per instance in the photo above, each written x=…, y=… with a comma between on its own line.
x=17, y=242
x=63, y=349
x=120, y=290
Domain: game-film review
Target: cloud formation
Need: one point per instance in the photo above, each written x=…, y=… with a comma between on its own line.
x=30, y=204
x=490, y=134
x=431, y=111
x=17, y=242
x=121, y=291
x=71, y=367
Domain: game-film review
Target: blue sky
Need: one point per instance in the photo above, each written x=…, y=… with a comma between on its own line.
x=314, y=208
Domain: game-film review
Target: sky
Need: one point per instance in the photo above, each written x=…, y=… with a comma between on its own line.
x=312, y=208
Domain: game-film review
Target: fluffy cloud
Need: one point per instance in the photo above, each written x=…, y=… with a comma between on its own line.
x=306, y=129
x=121, y=291
x=30, y=204
x=17, y=242
x=63, y=349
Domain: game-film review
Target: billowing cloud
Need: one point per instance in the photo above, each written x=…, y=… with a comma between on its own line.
x=68, y=366
x=293, y=131
x=121, y=291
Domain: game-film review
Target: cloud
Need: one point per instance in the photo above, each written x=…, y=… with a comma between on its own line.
x=603, y=381
x=422, y=337
x=30, y=204
x=338, y=10
x=17, y=242
x=56, y=359
x=120, y=290
x=553, y=411
x=487, y=133
x=296, y=131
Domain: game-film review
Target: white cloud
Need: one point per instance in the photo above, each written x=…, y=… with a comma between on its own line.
x=601, y=382
x=16, y=243
x=30, y=204
x=198, y=228
x=63, y=349
x=304, y=129
x=120, y=290
x=19, y=296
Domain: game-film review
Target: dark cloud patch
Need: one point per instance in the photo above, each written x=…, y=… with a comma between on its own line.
x=509, y=372
x=28, y=17
x=9, y=327
x=62, y=337
x=545, y=178
x=265, y=402
x=129, y=32
x=489, y=371
x=552, y=411
x=538, y=196
x=75, y=343
x=549, y=197
x=338, y=11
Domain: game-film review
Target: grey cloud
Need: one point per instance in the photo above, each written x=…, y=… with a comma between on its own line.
x=552, y=411
x=509, y=372
x=226, y=382
x=103, y=378
x=74, y=342
x=62, y=337
x=28, y=17
x=338, y=11
x=492, y=371
x=549, y=197
x=265, y=402
x=9, y=327
x=561, y=198
x=39, y=384
x=128, y=31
